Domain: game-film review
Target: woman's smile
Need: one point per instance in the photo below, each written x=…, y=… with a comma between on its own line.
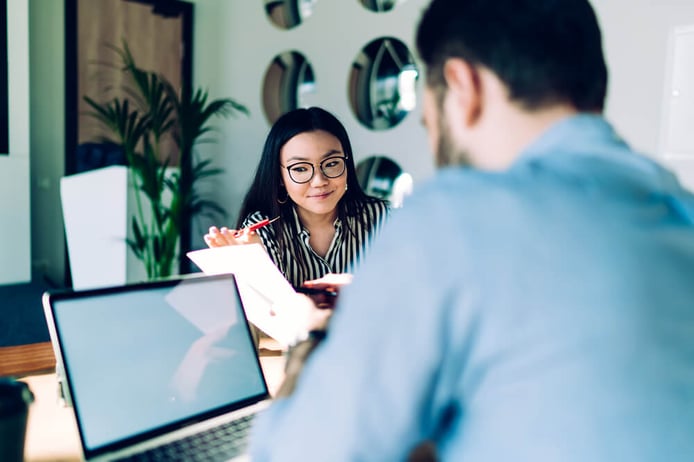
x=321, y=195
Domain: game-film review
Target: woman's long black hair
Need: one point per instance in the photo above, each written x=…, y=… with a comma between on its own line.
x=266, y=190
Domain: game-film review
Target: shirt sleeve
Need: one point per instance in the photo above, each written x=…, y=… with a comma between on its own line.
x=352, y=401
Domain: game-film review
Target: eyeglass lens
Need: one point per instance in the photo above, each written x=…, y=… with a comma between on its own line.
x=302, y=172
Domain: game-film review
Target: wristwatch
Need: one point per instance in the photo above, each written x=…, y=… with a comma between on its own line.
x=314, y=336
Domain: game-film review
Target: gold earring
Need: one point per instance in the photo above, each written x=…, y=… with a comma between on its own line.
x=286, y=198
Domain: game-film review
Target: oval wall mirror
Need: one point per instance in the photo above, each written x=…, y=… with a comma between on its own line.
x=288, y=81
x=380, y=6
x=382, y=83
x=382, y=177
x=287, y=14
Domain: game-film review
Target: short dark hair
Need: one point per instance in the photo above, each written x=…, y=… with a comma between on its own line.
x=265, y=192
x=545, y=51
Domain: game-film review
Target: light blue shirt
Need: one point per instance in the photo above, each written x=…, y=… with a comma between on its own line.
x=545, y=313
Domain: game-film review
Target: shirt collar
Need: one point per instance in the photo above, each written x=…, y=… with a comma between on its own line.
x=302, y=231
x=586, y=140
x=580, y=133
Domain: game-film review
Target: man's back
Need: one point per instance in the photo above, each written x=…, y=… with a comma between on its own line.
x=573, y=297
x=534, y=305
x=550, y=316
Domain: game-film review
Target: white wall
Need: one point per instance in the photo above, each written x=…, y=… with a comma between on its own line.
x=15, y=229
x=234, y=44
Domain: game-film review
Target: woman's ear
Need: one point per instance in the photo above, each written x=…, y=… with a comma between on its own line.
x=464, y=87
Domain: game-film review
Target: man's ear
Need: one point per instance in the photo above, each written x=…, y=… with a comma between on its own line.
x=464, y=86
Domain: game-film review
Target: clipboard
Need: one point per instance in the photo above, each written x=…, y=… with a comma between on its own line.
x=269, y=300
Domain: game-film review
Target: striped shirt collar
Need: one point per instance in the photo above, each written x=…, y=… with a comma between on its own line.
x=301, y=229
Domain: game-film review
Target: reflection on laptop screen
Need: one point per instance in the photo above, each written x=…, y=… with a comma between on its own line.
x=140, y=359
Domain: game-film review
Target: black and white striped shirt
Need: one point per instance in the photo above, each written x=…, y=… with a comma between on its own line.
x=298, y=262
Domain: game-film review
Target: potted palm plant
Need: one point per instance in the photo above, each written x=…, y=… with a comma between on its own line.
x=152, y=112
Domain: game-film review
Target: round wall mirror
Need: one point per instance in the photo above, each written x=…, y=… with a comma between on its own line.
x=382, y=84
x=382, y=177
x=288, y=81
x=380, y=6
x=287, y=14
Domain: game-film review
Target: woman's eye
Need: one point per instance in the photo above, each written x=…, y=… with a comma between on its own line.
x=299, y=169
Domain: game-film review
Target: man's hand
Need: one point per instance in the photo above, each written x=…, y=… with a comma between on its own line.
x=313, y=323
x=301, y=312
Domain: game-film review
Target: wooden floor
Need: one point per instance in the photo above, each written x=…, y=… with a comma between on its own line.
x=34, y=358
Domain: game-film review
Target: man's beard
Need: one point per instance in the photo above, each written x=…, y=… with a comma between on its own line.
x=447, y=153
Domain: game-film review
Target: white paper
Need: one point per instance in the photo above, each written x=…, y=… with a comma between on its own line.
x=269, y=300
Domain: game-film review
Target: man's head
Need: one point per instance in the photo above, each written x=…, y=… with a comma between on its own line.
x=544, y=53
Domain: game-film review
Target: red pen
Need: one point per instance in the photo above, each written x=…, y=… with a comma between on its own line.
x=256, y=226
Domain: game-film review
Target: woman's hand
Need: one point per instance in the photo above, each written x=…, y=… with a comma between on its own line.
x=217, y=237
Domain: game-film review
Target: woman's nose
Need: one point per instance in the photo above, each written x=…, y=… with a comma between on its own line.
x=318, y=178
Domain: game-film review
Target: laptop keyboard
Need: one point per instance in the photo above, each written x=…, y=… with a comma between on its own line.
x=216, y=444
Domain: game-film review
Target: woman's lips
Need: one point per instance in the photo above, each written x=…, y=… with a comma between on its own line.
x=321, y=195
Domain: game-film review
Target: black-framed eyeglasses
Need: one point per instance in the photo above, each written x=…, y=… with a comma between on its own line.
x=302, y=172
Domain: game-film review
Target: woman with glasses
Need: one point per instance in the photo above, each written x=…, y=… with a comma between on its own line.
x=307, y=179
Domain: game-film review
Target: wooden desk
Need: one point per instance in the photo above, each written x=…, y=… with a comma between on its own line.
x=33, y=358
x=52, y=431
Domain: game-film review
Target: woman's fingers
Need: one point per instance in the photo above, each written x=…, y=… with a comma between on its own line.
x=220, y=237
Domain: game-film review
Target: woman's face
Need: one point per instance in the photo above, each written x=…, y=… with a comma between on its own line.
x=321, y=194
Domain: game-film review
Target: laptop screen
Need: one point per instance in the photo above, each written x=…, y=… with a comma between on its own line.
x=147, y=358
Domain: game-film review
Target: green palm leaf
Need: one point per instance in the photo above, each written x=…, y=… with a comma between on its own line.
x=152, y=110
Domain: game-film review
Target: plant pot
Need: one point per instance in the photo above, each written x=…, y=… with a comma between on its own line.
x=98, y=208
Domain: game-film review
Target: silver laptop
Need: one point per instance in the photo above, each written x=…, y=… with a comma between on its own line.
x=158, y=368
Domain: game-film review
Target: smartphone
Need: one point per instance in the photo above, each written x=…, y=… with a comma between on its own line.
x=317, y=291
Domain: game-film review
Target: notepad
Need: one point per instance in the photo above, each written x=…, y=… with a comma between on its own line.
x=269, y=300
